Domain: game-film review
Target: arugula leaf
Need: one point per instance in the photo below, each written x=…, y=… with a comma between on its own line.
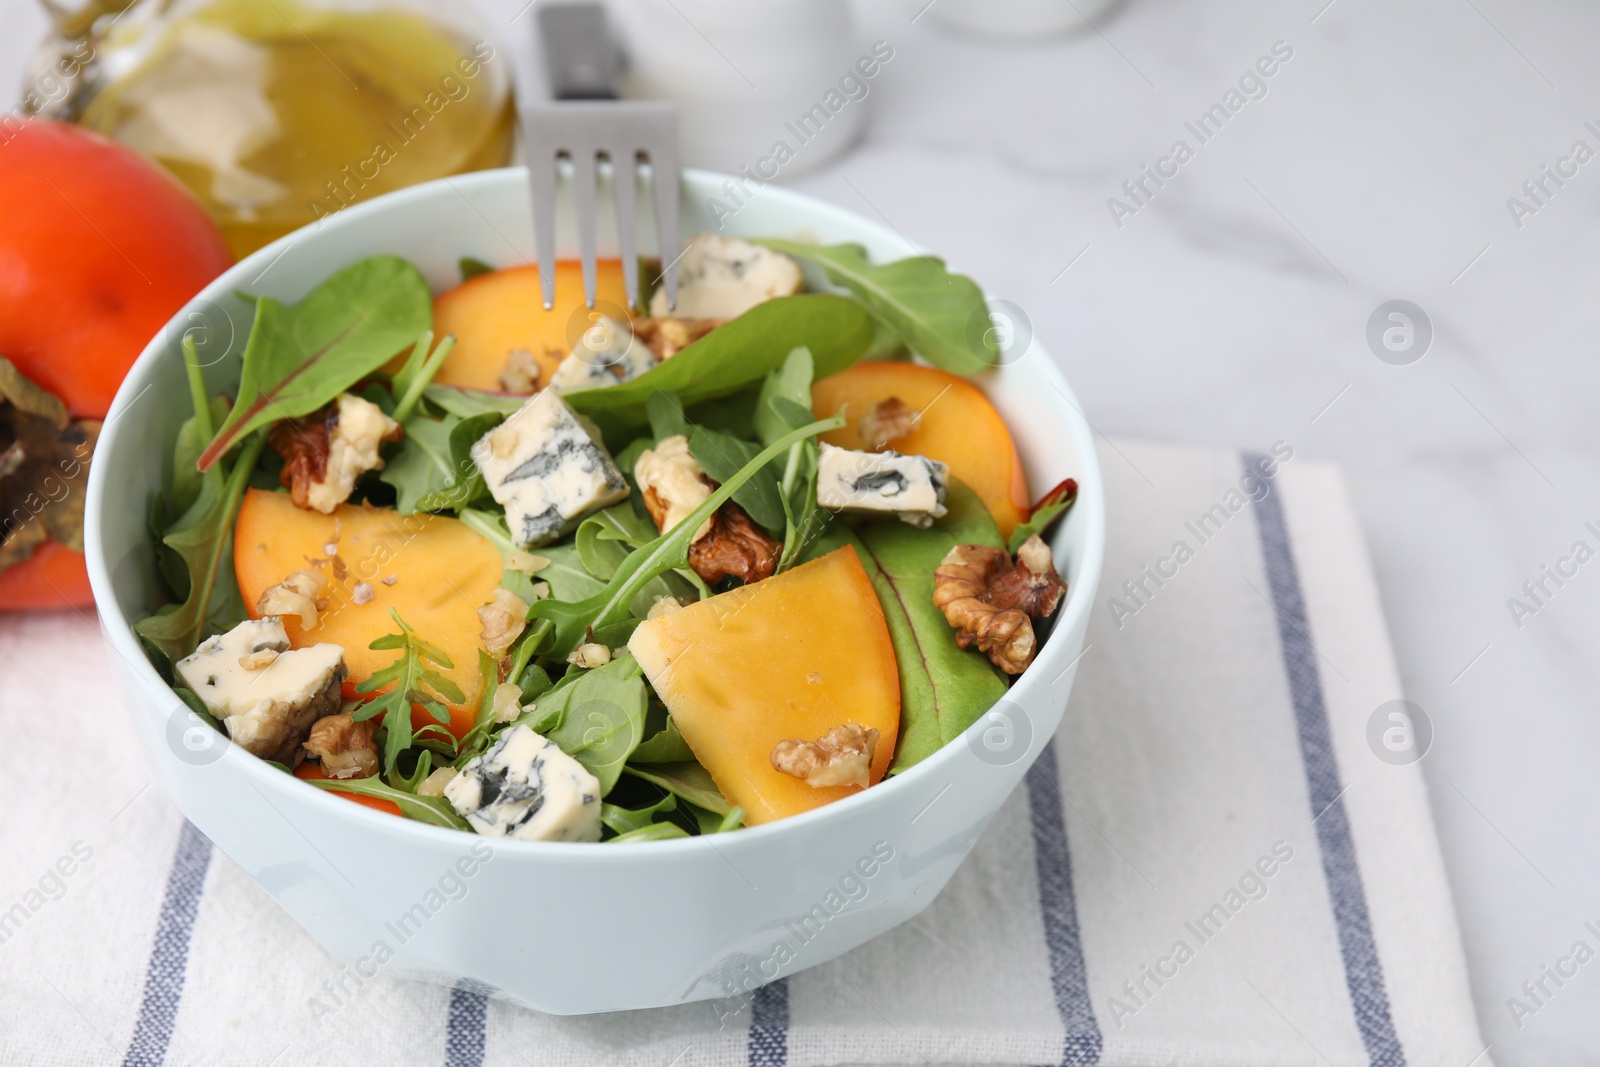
x=434, y=810
x=944, y=688
x=602, y=717
x=415, y=680
x=623, y=820
x=688, y=780
x=930, y=308
x=415, y=374
x=723, y=455
x=656, y=831
x=423, y=464
x=465, y=403
x=468, y=485
x=667, y=552
x=476, y=739
x=664, y=409
x=791, y=382
x=203, y=538
x=836, y=329
x=183, y=488
x=471, y=267
x=1049, y=508
x=301, y=356
x=667, y=746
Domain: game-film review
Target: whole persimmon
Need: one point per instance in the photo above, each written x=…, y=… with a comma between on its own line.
x=98, y=249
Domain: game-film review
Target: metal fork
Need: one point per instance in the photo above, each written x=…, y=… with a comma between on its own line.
x=584, y=122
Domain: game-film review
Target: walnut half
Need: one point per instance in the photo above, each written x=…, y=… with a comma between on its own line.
x=344, y=746
x=842, y=756
x=993, y=602
x=299, y=594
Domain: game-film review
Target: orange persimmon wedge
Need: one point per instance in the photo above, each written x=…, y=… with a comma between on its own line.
x=492, y=314
x=958, y=427
x=789, y=657
x=443, y=572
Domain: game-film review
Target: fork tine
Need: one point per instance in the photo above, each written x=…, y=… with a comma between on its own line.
x=664, y=180
x=623, y=176
x=542, y=176
x=583, y=180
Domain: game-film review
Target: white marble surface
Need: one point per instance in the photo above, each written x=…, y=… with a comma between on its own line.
x=1232, y=311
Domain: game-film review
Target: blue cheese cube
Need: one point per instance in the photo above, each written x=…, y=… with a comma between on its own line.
x=525, y=787
x=723, y=277
x=606, y=354
x=911, y=488
x=266, y=694
x=547, y=469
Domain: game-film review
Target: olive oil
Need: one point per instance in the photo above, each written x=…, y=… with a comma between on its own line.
x=276, y=114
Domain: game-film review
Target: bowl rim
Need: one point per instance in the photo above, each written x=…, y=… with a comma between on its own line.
x=118, y=632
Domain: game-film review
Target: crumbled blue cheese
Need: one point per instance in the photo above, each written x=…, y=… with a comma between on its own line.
x=525, y=787
x=546, y=469
x=266, y=694
x=909, y=487
x=606, y=354
x=723, y=277
x=352, y=451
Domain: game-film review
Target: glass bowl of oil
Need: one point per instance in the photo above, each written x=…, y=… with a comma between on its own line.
x=277, y=113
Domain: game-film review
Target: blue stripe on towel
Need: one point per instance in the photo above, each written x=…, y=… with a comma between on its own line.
x=169, y=959
x=464, y=1035
x=1362, y=968
x=769, y=1025
x=1060, y=910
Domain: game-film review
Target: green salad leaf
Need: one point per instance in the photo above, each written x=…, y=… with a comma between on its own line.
x=944, y=688
x=465, y=403
x=301, y=356
x=667, y=746
x=434, y=810
x=423, y=465
x=739, y=353
x=415, y=678
x=667, y=552
x=202, y=539
x=1051, y=507
x=656, y=831
x=624, y=820
x=687, y=779
x=931, y=309
x=599, y=718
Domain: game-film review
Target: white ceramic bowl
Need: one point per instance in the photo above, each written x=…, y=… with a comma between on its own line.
x=568, y=928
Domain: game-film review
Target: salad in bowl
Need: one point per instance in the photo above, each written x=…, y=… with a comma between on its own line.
x=397, y=641
x=603, y=574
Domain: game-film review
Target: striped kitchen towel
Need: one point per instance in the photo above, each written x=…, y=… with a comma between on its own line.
x=1225, y=856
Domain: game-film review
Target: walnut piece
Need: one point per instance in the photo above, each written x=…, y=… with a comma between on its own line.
x=507, y=702
x=503, y=618
x=666, y=337
x=433, y=785
x=736, y=547
x=888, y=421
x=842, y=756
x=344, y=746
x=993, y=602
x=521, y=372
x=589, y=655
x=729, y=543
x=673, y=483
x=296, y=595
x=325, y=452
x=664, y=605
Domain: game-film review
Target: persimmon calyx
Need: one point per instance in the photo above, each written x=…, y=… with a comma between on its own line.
x=44, y=468
x=993, y=601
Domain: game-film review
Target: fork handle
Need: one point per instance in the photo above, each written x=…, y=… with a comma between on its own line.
x=580, y=54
